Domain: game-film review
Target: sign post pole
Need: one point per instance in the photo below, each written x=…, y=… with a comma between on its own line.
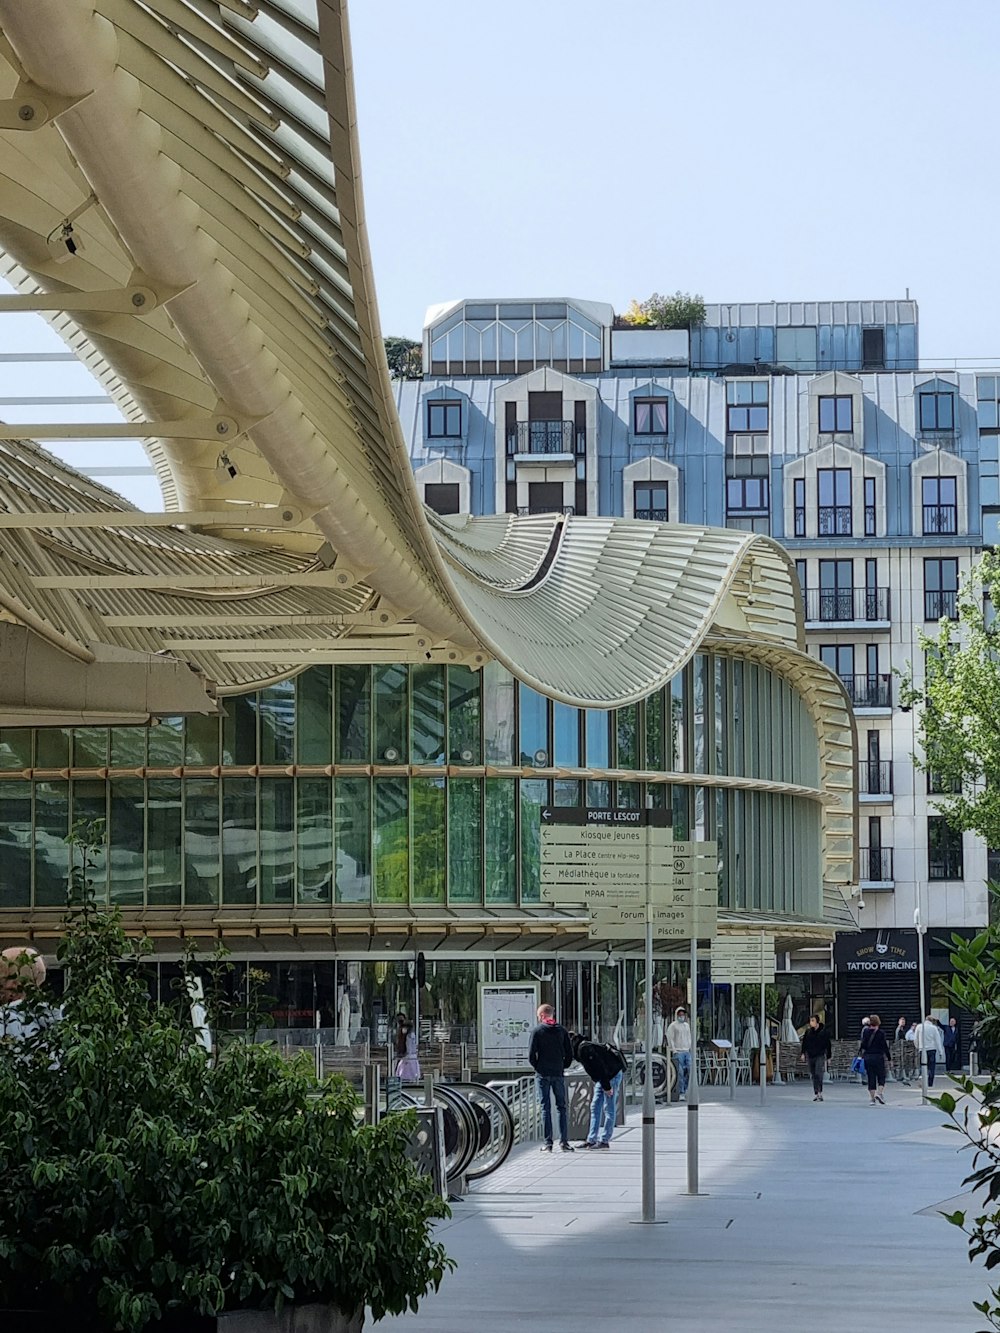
x=732, y=1040
x=693, y=1095
x=761, y=1050
x=648, y=1097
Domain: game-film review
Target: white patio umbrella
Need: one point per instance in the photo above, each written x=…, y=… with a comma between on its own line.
x=751, y=1038
x=788, y=1032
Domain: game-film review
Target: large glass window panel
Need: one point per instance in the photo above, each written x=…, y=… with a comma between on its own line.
x=534, y=794
x=276, y=709
x=428, y=847
x=354, y=728
x=277, y=844
x=597, y=794
x=427, y=715
x=677, y=722
x=628, y=795
x=464, y=715
x=90, y=747
x=498, y=714
x=90, y=810
x=501, y=841
x=699, y=730
x=166, y=743
x=391, y=840
x=202, y=845
x=52, y=747
x=566, y=735
x=51, y=851
x=465, y=840
x=390, y=693
x=533, y=715
x=598, y=738
x=15, y=748
x=164, y=835
x=627, y=737
x=353, y=839
x=15, y=844
x=314, y=716
x=239, y=840
x=202, y=741
x=566, y=792
x=239, y=732
x=655, y=731
x=314, y=833
x=127, y=842
x=128, y=746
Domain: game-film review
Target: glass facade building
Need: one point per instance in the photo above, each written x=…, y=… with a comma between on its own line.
x=419, y=786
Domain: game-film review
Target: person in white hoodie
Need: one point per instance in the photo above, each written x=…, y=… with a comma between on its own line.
x=679, y=1046
x=928, y=1040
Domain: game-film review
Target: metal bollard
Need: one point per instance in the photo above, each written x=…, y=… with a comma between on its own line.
x=372, y=1094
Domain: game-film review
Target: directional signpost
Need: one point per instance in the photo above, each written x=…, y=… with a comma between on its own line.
x=618, y=863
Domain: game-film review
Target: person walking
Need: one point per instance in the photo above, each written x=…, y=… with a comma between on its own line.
x=407, y=1063
x=816, y=1049
x=929, y=1042
x=874, y=1050
x=952, y=1039
x=679, y=1046
x=550, y=1054
x=606, y=1067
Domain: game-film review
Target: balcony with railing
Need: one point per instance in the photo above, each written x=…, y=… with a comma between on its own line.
x=875, y=780
x=941, y=605
x=875, y=866
x=653, y=515
x=835, y=521
x=523, y=511
x=542, y=439
x=840, y=606
x=940, y=520
x=800, y=521
x=872, y=691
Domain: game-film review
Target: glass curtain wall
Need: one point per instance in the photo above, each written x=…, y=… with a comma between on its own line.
x=397, y=784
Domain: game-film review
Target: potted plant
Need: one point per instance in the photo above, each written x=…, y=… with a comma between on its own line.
x=149, y=1185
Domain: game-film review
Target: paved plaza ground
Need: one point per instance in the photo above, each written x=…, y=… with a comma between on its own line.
x=813, y=1218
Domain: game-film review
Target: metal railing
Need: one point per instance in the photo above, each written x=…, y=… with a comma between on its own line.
x=800, y=521
x=546, y=437
x=835, y=520
x=947, y=864
x=940, y=520
x=524, y=510
x=652, y=515
x=875, y=777
x=871, y=691
x=876, y=864
x=839, y=604
x=941, y=605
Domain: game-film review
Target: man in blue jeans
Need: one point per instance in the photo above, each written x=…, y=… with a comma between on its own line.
x=550, y=1055
x=679, y=1045
x=605, y=1065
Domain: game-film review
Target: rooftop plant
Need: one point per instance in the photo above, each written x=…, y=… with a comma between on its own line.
x=679, y=311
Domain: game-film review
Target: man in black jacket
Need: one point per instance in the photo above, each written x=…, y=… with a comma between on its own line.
x=550, y=1055
x=606, y=1067
x=816, y=1048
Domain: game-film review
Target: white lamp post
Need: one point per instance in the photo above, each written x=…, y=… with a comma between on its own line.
x=921, y=932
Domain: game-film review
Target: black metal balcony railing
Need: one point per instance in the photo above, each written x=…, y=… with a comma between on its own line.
x=940, y=520
x=875, y=777
x=652, y=515
x=946, y=864
x=871, y=691
x=839, y=604
x=546, y=437
x=875, y=864
x=870, y=522
x=835, y=520
x=524, y=510
x=941, y=604
x=800, y=521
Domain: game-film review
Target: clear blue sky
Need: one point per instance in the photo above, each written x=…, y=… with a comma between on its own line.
x=747, y=152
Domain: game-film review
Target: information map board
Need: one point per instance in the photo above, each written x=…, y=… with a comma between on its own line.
x=508, y=1010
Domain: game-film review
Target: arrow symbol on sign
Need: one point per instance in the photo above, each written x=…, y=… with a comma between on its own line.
x=546, y=815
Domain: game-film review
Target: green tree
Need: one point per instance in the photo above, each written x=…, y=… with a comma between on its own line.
x=144, y=1179
x=679, y=311
x=958, y=706
x=404, y=357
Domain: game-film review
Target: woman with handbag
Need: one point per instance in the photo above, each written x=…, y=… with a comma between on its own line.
x=875, y=1053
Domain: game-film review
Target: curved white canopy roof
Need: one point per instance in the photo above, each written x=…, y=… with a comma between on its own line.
x=183, y=177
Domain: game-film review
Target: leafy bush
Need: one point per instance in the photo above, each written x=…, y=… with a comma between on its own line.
x=404, y=357
x=976, y=987
x=142, y=1177
x=679, y=311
